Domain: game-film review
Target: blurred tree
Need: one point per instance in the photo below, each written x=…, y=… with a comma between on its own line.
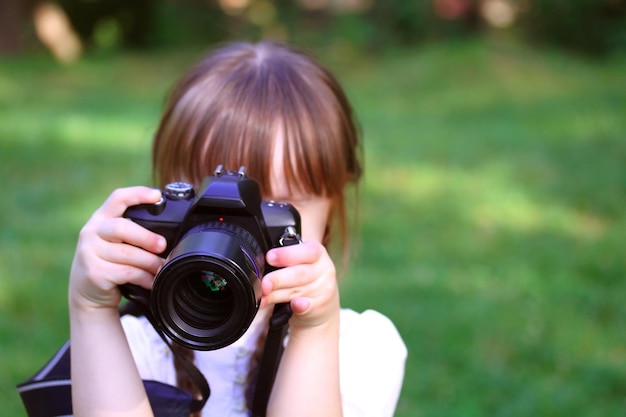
x=594, y=27
x=133, y=19
x=13, y=15
x=591, y=26
x=10, y=16
x=410, y=22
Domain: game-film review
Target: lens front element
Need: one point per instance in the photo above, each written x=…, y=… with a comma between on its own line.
x=208, y=292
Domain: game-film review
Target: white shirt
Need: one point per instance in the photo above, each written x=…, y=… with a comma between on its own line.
x=371, y=361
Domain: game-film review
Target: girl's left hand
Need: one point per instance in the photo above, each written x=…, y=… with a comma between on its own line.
x=307, y=279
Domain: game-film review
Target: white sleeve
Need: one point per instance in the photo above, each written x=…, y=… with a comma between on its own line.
x=152, y=356
x=372, y=357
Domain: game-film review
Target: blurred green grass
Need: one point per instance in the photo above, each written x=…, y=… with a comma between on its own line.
x=492, y=213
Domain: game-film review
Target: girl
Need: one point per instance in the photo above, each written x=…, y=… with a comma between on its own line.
x=283, y=116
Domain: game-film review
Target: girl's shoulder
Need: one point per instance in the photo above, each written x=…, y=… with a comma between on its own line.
x=372, y=358
x=370, y=328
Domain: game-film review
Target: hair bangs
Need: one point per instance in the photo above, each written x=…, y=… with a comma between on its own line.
x=314, y=160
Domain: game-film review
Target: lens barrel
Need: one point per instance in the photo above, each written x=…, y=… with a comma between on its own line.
x=208, y=292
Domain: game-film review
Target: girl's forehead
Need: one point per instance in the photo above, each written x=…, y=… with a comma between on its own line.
x=278, y=185
x=283, y=186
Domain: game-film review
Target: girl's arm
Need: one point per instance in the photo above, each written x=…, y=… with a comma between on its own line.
x=307, y=382
x=111, y=251
x=105, y=381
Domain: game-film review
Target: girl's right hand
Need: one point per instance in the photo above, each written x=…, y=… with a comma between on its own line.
x=113, y=250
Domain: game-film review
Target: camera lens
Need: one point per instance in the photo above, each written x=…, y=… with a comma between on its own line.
x=208, y=292
x=203, y=299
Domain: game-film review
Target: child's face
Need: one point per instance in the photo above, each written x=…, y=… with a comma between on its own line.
x=314, y=210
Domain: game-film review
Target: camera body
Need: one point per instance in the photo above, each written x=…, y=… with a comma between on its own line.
x=208, y=291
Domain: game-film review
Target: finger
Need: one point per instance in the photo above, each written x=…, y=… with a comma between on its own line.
x=316, y=289
x=287, y=278
x=122, y=198
x=101, y=258
x=304, y=253
x=300, y=305
x=132, y=256
x=127, y=274
x=99, y=278
x=125, y=230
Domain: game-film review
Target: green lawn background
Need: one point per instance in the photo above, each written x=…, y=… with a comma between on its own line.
x=492, y=219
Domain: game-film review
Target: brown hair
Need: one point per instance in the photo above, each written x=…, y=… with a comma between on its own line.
x=229, y=108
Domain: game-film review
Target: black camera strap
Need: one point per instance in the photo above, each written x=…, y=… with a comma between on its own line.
x=273, y=352
x=275, y=342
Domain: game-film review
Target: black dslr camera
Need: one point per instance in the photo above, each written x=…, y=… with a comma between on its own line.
x=208, y=292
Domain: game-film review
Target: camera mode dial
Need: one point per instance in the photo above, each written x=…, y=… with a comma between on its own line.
x=179, y=191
